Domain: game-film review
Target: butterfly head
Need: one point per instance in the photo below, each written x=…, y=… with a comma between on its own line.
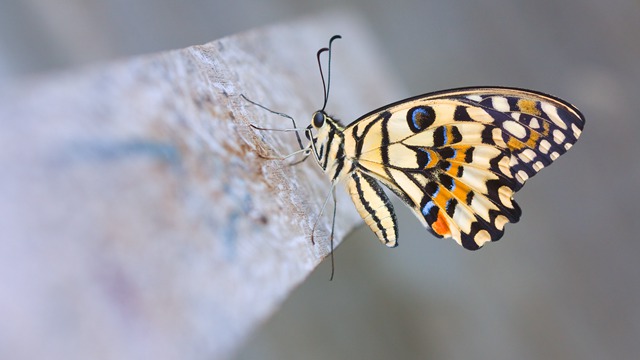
x=319, y=121
x=324, y=136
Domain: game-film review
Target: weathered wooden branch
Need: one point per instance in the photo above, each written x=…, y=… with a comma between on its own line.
x=137, y=218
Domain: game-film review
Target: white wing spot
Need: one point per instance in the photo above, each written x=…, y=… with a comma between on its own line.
x=497, y=137
x=522, y=176
x=554, y=155
x=515, y=128
x=476, y=98
x=482, y=237
x=534, y=124
x=505, y=194
x=477, y=178
x=503, y=164
x=500, y=103
x=481, y=206
x=500, y=222
x=544, y=146
x=558, y=136
x=527, y=155
x=552, y=112
x=568, y=146
x=576, y=131
x=462, y=217
x=537, y=166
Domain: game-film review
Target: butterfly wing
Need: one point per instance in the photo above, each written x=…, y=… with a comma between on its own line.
x=457, y=157
x=374, y=206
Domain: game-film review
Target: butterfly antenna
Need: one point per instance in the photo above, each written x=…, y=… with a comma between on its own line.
x=326, y=86
x=326, y=97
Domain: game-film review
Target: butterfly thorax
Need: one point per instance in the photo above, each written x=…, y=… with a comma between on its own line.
x=327, y=143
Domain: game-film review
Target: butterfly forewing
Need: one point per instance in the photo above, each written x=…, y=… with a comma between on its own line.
x=457, y=157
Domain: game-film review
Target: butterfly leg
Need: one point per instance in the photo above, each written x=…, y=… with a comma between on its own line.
x=301, y=160
x=295, y=127
x=332, y=194
x=324, y=205
x=306, y=152
x=333, y=227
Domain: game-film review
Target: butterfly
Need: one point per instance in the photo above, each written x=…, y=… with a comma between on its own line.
x=455, y=157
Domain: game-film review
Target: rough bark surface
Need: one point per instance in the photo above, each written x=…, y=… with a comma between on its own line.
x=137, y=219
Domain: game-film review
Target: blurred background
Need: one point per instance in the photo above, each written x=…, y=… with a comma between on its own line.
x=564, y=283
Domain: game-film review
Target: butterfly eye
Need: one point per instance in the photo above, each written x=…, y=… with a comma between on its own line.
x=318, y=119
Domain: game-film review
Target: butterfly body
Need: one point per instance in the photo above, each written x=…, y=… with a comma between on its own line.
x=455, y=157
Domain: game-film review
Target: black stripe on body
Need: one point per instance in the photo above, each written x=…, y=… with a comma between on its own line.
x=340, y=159
x=320, y=153
x=323, y=149
x=331, y=134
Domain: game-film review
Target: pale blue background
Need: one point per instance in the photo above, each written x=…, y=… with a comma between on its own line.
x=564, y=283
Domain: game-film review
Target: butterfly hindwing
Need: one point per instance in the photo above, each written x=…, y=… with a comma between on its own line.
x=457, y=157
x=374, y=207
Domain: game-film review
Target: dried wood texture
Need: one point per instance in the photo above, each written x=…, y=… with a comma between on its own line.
x=137, y=219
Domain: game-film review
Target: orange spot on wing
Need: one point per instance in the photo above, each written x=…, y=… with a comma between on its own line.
x=545, y=128
x=532, y=141
x=528, y=107
x=515, y=144
x=441, y=226
x=453, y=169
x=461, y=191
x=461, y=153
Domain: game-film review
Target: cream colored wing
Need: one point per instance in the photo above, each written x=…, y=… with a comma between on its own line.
x=457, y=157
x=374, y=207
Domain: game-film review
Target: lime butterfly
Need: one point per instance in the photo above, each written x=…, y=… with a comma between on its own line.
x=455, y=157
